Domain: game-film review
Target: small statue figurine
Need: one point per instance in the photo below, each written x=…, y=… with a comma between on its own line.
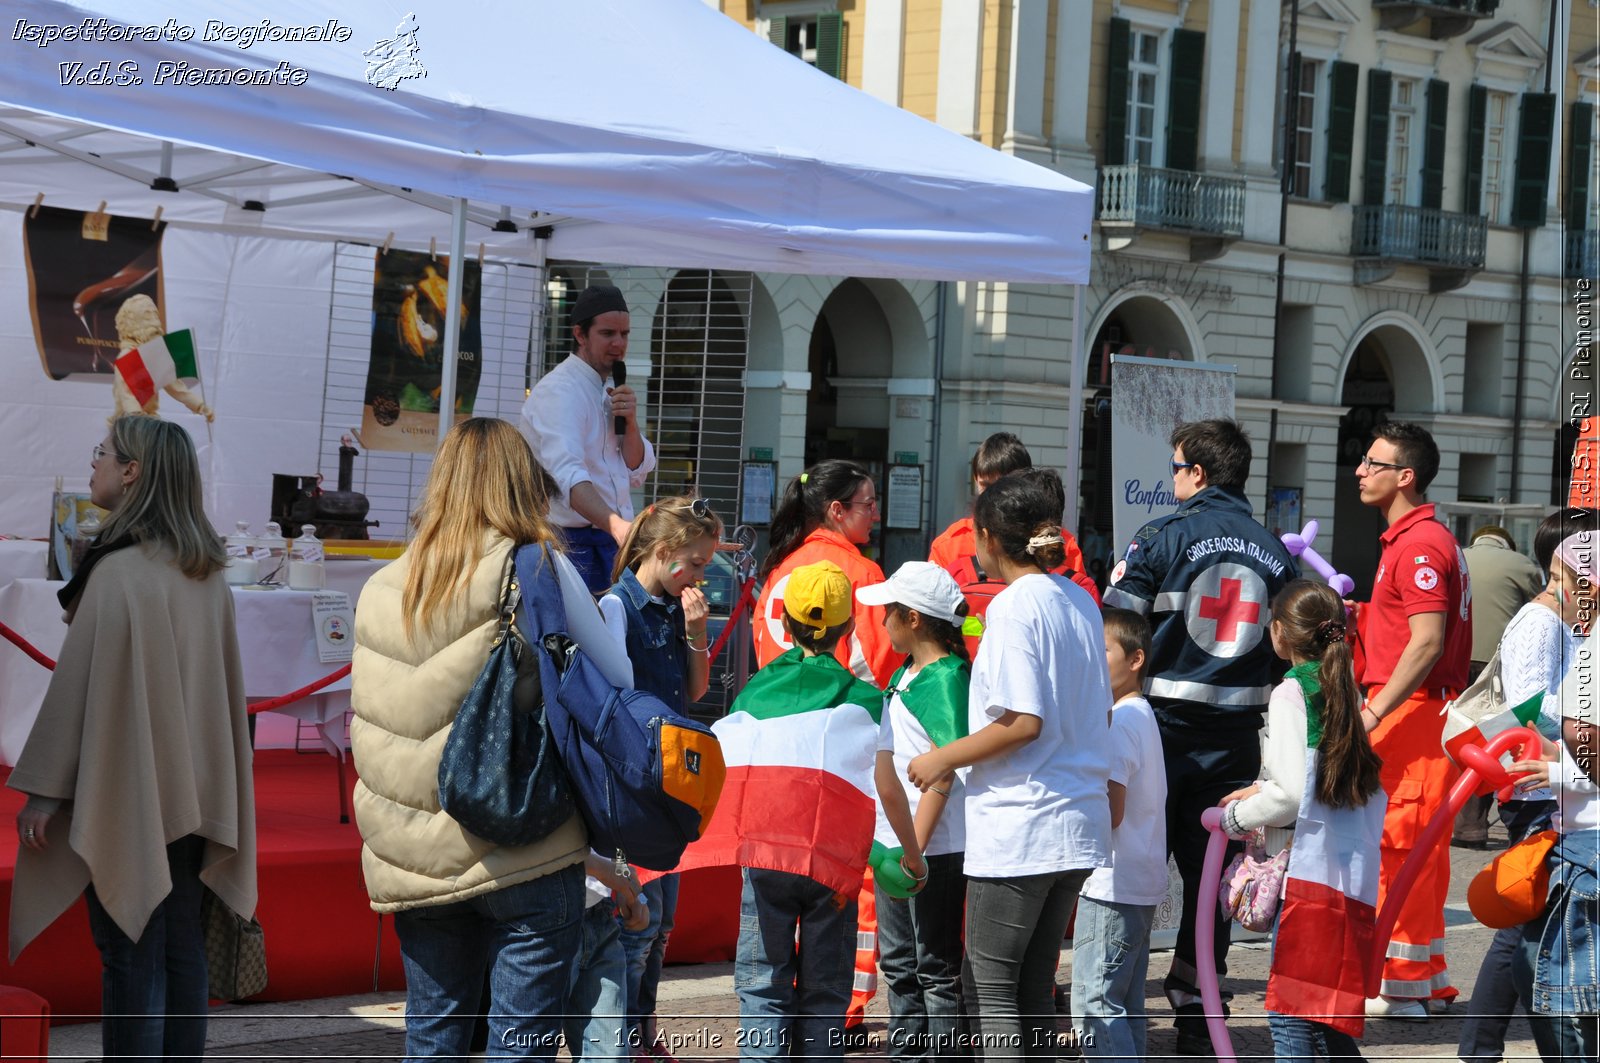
x=139, y=322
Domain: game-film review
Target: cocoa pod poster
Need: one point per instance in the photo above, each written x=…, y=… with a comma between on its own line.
x=401, y=406
x=82, y=267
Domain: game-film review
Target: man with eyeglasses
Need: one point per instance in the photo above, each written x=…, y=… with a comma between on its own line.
x=1205, y=575
x=1417, y=631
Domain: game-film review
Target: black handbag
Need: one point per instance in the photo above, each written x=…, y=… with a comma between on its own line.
x=500, y=776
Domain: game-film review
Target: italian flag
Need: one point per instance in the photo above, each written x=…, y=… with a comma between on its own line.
x=800, y=743
x=1330, y=907
x=1461, y=730
x=152, y=366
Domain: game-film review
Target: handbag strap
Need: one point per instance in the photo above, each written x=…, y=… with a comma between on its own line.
x=510, y=595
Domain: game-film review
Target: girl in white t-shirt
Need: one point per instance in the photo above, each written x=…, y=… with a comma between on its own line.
x=1037, y=815
x=925, y=707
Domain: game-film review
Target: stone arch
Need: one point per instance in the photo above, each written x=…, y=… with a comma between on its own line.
x=1409, y=357
x=1168, y=325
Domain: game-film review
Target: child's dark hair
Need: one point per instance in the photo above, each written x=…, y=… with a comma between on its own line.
x=946, y=634
x=1129, y=629
x=1021, y=509
x=1565, y=521
x=1312, y=625
x=672, y=523
x=819, y=641
x=1000, y=455
x=804, y=504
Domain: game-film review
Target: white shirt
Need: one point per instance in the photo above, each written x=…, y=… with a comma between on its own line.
x=567, y=421
x=1138, y=871
x=1276, y=806
x=1041, y=808
x=1535, y=652
x=902, y=734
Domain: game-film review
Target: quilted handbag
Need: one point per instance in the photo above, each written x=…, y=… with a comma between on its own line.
x=500, y=776
x=1252, y=885
x=236, y=951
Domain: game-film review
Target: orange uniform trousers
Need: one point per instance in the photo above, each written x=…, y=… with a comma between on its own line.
x=1417, y=776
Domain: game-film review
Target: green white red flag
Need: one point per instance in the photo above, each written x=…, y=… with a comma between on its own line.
x=151, y=366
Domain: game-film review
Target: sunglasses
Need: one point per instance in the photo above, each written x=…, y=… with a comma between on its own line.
x=1179, y=465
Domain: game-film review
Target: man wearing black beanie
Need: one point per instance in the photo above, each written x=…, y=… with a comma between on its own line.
x=572, y=420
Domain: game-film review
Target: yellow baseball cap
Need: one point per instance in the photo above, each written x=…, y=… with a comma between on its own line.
x=818, y=595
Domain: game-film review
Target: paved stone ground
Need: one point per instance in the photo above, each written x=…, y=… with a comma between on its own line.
x=700, y=1014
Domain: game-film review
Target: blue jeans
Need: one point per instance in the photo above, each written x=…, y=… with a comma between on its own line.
x=526, y=936
x=919, y=956
x=1294, y=1039
x=1557, y=965
x=597, y=1004
x=593, y=552
x=645, y=951
x=153, y=991
x=792, y=1005
x=1015, y=927
x=1110, y=957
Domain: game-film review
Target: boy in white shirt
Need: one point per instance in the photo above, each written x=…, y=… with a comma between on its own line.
x=1111, y=942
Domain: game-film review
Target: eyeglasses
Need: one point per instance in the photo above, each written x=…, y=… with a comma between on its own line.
x=870, y=503
x=1179, y=465
x=1369, y=463
x=100, y=451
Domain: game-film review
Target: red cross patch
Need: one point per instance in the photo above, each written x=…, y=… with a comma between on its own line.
x=1426, y=578
x=1226, y=610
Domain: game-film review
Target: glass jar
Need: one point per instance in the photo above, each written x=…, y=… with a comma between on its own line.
x=305, y=561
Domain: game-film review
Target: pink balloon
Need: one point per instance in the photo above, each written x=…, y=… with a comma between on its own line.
x=1205, y=933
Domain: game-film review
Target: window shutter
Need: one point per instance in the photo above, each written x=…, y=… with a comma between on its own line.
x=830, y=44
x=1438, y=108
x=1580, y=154
x=1183, y=99
x=1373, y=176
x=778, y=31
x=1116, y=143
x=1477, y=117
x=1342, y=81
x=1535, y=126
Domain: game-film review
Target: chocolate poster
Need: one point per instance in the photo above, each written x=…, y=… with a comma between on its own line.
x=82, y=267
x=409, y=299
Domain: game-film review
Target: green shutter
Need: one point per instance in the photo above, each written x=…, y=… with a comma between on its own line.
x=1477, y=118
x=778, y=31
x=1116, y=142
x=1373, y=176
x=1343, y=79
x=1535, y=127
x=1183, y=99
x=1580, y=153
x=1438, y=108
x=830, y=44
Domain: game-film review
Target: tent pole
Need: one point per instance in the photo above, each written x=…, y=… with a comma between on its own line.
x=1075, y=412
x=452, y=316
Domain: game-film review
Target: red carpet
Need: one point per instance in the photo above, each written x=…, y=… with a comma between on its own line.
x=322, y=936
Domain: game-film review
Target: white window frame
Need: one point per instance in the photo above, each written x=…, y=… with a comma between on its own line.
x=1497, y=149
x=1157, y=72
x=1402, y=186
x=803, y=11
x=1314, y=161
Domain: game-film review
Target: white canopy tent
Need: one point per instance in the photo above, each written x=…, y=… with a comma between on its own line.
x=657, y=133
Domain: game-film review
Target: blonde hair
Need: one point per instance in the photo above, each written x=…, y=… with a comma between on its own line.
x=669, y=524
x=484, y=477
x=163, y=505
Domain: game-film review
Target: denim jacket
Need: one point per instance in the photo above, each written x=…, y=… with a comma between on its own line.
x=656, y=641
x=1564, y=976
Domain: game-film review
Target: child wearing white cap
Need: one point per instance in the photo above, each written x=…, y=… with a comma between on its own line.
x=925, y=706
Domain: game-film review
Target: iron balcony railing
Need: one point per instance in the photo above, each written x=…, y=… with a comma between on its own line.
x=1155, y=198
x=1583, y=254
x=1420, y=234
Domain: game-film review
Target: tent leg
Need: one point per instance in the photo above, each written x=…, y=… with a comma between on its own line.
x=452, y=316
x=1075, y=413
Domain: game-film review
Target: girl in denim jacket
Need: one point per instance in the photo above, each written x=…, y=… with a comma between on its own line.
x=656, y=609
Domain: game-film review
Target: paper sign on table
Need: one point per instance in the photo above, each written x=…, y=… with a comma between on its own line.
x=333, y=619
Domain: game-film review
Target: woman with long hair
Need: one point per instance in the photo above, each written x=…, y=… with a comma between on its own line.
x=826, y=514
x=137, y=770
x=462, y=905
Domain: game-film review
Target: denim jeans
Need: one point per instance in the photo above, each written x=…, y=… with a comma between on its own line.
x=1295, y=1039
x=919, y=956
x=597, y=997
x=153, y=990
x=1110, y=956
x=645, y=951
x=526, y=936
x=792, y=1005
x=1556, y=966
x=1015, y=928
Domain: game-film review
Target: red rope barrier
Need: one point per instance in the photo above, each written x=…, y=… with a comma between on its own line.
x=268, y=705
x=746, y=599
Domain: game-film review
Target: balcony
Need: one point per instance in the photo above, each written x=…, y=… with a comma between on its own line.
x=1583, y=254
x=1451, y=245
x=1446, y=18
x=1135, y=199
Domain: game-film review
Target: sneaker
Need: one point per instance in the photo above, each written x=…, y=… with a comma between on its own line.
x=1402, y=1009
x=1439, y=1005
x=1193, y=1042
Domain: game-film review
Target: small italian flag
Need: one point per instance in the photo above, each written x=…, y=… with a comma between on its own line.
x=152, y=366
x=1460, y=730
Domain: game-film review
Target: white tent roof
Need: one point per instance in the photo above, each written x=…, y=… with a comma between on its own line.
x=652, y=132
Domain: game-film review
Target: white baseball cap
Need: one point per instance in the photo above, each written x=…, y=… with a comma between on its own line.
x=919, y=585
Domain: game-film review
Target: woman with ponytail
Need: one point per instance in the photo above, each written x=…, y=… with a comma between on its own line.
x=1319, y=778
x=826, y=514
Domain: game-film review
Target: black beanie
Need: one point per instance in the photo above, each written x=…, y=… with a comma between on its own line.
x=595, y=300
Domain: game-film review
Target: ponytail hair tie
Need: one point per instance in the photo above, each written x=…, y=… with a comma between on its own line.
x=804, y=477
x=1039, y=542
x=1330, y=631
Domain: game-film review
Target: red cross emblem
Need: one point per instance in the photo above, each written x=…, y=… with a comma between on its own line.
x=1229, y=610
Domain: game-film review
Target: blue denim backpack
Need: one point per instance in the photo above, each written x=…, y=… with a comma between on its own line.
x=645, y=777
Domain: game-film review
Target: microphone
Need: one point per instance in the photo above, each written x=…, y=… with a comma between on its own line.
x=619, y=376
